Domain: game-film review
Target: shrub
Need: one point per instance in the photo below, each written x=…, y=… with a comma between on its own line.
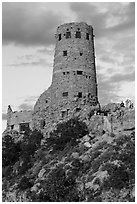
x=67, y=132
x=24, y=183
x=57, y=187
x=10, y=151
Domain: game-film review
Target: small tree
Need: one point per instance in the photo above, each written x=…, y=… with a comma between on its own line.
x=10, y=151
x=67, y=132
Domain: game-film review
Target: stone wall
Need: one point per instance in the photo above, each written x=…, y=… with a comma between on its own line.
x=73, y=90
x=14, y=119
x=74, y=84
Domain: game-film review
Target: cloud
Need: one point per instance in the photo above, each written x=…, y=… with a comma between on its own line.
x=41, y=62
x=4, y=116
x=129, y=77
x=112, y=89
x=31, y=99
x=89, y=13
x=25, y=106
x=107, y=91
x=115, y=18
x=28, y=24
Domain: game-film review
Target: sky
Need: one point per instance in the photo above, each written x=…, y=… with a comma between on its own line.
x=28, y=44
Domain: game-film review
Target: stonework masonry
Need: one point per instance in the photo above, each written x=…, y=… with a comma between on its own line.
x=74, y=83
x=19, y=121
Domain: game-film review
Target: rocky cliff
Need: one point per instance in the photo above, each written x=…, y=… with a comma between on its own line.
x=83, y=160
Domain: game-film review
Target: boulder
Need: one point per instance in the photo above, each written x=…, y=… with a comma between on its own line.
x=87, y=144
x=86, y=138
x=75, y=155
x=41, y=173
x=85, y=158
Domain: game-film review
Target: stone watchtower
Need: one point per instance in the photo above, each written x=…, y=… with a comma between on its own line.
x=74, y=74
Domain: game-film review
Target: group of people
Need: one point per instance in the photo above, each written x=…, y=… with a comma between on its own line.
x=128, y=104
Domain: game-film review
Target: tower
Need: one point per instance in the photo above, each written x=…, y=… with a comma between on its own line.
x=74, y=74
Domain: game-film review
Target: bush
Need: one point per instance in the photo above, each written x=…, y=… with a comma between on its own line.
x=10, y=151
x=24, y=183
x=57, y=187
x=67, y=132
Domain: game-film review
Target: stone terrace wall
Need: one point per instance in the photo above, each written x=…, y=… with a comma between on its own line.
x=20, y=117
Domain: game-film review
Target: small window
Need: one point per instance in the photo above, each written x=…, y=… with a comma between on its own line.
x=42, y=124
x=64, y=94
x=80, y=94
x=78, y=34
x=78, y=28
x=24, y=126
x=63, y=73
x=63, y=114
x=79, y=72
x=65, y=53
x=12, y=127
x=81, y=53
x=46, y=101
x=59, y=37
x=78, y=109
x=67, y=72
x=87, y=36
x=74, y=72
x=67, y=29
x=68, y=34
x=68, y=111
x=89, y=77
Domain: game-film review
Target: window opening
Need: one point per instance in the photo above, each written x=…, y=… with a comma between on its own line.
x=46, y=101
x=74, y=72
x=12, y=126
x=75, y=58
x=78, y=34
x=79, y=72
x=67, y=29
x=64, y=94
x=42, y=124
x=78, y=109
x=63, y=73
x=59, y=37
x=89, y=77
x=68, y=34
x=65, y=53
x=78, y=28
x=80, y=94
x=63, y=114
x=67, y=112
x=87, y=36
x=67, y=72
x=81, y=53
x=24, y=126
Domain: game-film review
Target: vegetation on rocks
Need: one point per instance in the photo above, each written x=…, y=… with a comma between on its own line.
x=64, y=168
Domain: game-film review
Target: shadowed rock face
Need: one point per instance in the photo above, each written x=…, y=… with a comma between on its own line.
x=74, y=76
